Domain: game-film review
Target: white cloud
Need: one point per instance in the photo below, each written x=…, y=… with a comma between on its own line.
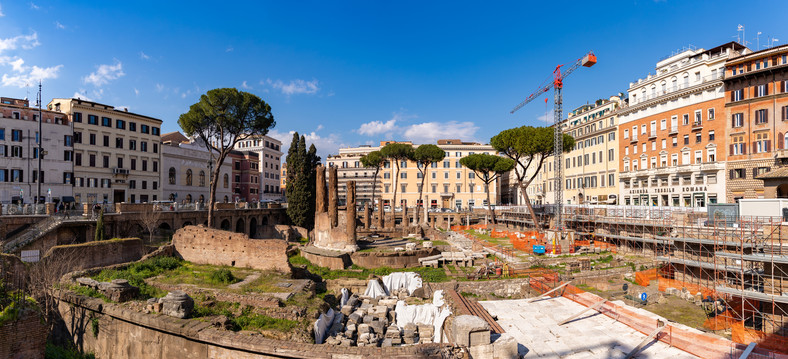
x=229, y=49
x=159, y=87
x=546, y=118
x=1, y=11
x=34, y=6
x=246, y=86
x=295, y=87
x=104, y=74
x=377, y=127
x=430, y=132
x=326, y=145
x=81, y=96
x=59, y=25
x=26, y=42
x=136, y=92
x=144, y=56
x=26, y=75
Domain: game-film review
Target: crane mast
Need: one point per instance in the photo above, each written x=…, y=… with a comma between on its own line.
x=557, y=85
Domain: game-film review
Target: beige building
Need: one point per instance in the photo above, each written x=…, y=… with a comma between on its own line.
x=187, y=169
x=116, y=152
x=590, y=169
x=448, y=184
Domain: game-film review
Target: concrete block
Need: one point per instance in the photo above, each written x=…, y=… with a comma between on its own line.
x=470, y=330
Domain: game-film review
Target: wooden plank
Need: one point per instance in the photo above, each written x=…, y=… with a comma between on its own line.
x=650, y=337
x=593, y=307
x=548, y=293
x=747, y=351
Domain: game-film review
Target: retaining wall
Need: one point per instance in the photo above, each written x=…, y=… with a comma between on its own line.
x=198, y=244
x=98, y=254
x=124, y=333
x=25, y=337
x=405, y=259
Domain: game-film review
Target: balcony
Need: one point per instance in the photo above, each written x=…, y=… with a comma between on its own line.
x=652, y=134
x=674, y=130
x=634, y=138
x=712, y=166
x=780, y=154
x=697, y=125
x=120, y=171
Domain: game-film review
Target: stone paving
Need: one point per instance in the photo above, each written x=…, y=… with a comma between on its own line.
x=593, y=335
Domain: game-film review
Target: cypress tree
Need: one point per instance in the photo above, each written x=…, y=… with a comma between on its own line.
x=311, y=174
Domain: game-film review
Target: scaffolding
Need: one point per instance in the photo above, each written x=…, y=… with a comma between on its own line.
x=738, y=267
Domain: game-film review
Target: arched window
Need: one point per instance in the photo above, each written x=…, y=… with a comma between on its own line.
x=202, y=178
x=172, y=175
x=202, y=198
x=226, y=181
x=226, y=199
x=189, y=197
x=172, y=196
x=188, y=177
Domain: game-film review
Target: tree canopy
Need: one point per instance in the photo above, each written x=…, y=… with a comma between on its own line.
x=301, y=182
x=528, y=146
x=397, y=152
x=487, y=167
x=222, y=118
x=425, y=155
x=374, y=160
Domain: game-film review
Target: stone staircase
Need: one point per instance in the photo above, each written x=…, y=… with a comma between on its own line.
x=33, y=233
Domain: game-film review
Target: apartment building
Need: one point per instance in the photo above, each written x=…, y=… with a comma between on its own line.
x=349, y=168
x=19, y=137
x=116, y=152
x=269, y=151
x=671, y=132
x=245, y=182
x=756, y=113
x=187, y=167
x=590, y=169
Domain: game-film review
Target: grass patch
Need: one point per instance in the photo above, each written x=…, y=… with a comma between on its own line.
x=223, y=276
x=251, y=321
x=432, y=275
x=137, y=273
x=88, y=292
x=469, y=295
x=440, y=243
x=267, y=283
x=53, y=351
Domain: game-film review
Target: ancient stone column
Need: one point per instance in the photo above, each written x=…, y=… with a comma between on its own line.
x=426, y=217
x=405, y=218
x=381, y=216
x=321, y=202
x=367, y=216
x=350, y=213
x=333, y=196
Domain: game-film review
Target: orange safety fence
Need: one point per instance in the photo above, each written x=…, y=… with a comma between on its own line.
x=645, y=277
x=775, y=342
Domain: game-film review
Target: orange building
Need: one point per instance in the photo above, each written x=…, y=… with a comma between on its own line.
x=756, y=112
x=672, y=134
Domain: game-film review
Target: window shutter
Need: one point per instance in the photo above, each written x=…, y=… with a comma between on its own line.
x=765, y=115
x=731, y=146
x=754, y=147
x=743, y=149
x=780, y=140
x=768, y=145
x=730, y=174
x=754, y=172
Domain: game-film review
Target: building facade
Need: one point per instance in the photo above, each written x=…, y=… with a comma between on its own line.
x=186, y=171
x=19, y=136
x=245, y=177
x=756, y=114
x=671, y=132
x=269, y=151
x=349, y=168
x=590, y=169
x=116, y=152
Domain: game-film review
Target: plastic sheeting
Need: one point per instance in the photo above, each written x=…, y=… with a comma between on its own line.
x=374, y=289
x=345, y=297
x=398, y=280
x=322, y=325
x=424, y=314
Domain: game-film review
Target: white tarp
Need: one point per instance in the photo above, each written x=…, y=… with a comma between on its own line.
x=424, y=314
x=374, y=289
x=345, y=297
x=398, y=280
x=322, y=325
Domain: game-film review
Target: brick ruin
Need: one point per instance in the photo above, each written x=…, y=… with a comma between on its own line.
x=198, y=244
x=334, y=229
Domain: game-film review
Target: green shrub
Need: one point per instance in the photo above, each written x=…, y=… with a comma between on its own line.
x=223, y=276
x=55, y=352
x=137, y=273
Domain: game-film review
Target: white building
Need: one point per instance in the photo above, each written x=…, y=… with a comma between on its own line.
x=270, y=153
x=186, y=171
x=19, y=153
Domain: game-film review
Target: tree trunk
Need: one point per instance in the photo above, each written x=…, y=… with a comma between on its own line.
x=394, y=202
x=489, y=204
x=421, y=193
x=374, y=184
x=528, y=204
x=214, y=182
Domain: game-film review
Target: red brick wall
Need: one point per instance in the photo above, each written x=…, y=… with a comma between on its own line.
x=24, y=338
x=203, y=245
x=98, y=254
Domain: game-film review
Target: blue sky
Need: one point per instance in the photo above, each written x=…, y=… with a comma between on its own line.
x=351, y=73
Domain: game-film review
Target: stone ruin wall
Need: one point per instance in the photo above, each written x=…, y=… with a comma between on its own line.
x=202, y=245
x=98, y=254
x=334, y=229
x=25, y=337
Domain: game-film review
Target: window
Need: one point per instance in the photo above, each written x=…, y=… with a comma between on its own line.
x=155, y=166
x=156, y=150
x=171, y=173
x=132, y=127
x=144, y=146
x=711, y=155
x=106, y=122
x=711, y=114
x=663, y=124
x=201, y=178
x=664, y=143
x=611, y=155
x=144, y=129
x=67, y=140
x=92, y=120
x=189, y=177
x=761, y=116
x=737, y=120
x=711, y=136
x=737, y=146
x=92, y=160
x=403, y=175
x=737, y=95
x=784, y=113
x=155, y=131
x=120, y=162
x=446, y=164
x=226, y=181
x=133, y=145
x=77, y=117
x=118, y=142
x=686, y=139
x=626, y=133
x=761, y=90
x=762, y=143
x=698, y=157
x=134, y=164
x=16, y=135
x=698, y=137
x=120, y=124
x=92, y=139
x=737, y=173
x=106, y=161
x=78, y=159
x=106, y=141
x=612, y=136
x=685, y=119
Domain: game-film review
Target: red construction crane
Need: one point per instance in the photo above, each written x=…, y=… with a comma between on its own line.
x=557, y=84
